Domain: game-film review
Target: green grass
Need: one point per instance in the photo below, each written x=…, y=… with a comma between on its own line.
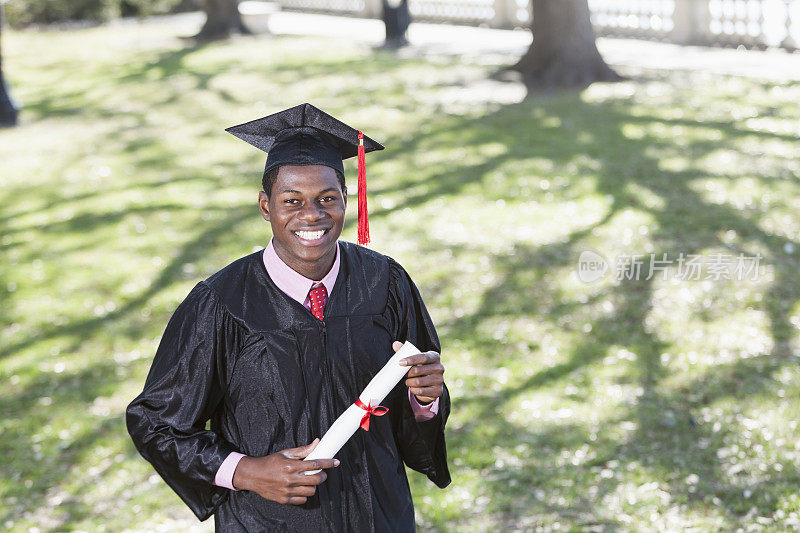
x=617, y=405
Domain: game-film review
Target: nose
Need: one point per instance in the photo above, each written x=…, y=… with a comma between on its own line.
x=310, y=212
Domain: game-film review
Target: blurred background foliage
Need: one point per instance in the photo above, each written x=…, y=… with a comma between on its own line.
x=25, y=12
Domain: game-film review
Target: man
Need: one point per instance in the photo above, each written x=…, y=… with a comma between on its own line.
x=275, y=346
x=396, y=19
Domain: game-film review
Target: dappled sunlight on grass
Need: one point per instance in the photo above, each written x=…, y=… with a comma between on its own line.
x=618, y=404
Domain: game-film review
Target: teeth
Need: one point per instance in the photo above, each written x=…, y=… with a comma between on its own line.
x=310, y=235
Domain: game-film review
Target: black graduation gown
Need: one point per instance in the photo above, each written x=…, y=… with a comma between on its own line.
x=269, y=376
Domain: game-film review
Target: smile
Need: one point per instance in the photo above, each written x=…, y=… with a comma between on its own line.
x=311, y=236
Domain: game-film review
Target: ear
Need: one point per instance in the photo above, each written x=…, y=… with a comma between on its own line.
x=344, y=195
x=263, y=205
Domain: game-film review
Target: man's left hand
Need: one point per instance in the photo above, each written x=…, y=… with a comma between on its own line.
x=425, y=378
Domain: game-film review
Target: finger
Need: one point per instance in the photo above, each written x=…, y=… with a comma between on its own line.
x=425, y=381
x=428, y=392
x=427, y=369
x=301, y=451
x=307, y=477
x=413, y=359
x=314, y=464
x=297, y=500
x=312, y=480
x=304, y=491
x=420, y=359
x=396, y=345
x=310, y=447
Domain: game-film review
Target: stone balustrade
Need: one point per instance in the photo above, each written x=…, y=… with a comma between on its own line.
x=753, y=24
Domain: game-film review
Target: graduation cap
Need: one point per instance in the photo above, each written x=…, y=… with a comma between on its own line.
x=305, y=135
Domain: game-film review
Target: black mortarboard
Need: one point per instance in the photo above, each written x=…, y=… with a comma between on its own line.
x=305, y=135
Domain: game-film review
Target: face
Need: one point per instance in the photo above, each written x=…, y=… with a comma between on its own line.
x=306, y=211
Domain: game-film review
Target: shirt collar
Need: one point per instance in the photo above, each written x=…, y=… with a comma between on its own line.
x=294, y=284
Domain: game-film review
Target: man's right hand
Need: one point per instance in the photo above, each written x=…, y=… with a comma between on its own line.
x=280, y=477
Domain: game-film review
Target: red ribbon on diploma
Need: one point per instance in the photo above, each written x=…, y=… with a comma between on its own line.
x=378, y=410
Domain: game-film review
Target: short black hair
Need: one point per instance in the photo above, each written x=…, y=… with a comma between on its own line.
x=268, y=181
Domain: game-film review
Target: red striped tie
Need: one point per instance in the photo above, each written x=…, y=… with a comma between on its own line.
x=318, y=295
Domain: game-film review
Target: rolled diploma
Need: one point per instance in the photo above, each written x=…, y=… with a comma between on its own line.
x=376, y=390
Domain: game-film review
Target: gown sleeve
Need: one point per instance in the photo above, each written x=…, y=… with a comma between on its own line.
x=167, y=421
x=421, y=444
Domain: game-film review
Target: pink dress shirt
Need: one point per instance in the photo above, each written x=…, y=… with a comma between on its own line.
x=297, y=286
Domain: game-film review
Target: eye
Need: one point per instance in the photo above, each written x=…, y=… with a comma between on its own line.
x=328, y=198
x=291, y=201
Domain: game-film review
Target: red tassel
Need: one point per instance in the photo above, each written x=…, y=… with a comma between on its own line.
x=363, y=218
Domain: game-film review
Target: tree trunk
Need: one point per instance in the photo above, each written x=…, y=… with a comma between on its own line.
x=8, y=112
x=222, y=20
x=563, y=52
x=396, y=18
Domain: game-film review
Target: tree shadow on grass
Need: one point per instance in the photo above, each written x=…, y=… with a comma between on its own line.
x=72, y=393
x=191, y=251
x=48, y=461
x=668, y=440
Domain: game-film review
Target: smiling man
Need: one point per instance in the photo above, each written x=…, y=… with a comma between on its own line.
x=275, y=346
x=306, y=212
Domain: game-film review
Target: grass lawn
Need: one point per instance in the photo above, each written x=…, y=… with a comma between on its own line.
x=662, y=403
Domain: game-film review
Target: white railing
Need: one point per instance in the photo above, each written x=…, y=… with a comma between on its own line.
x=748, y=23
x=653, y=19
